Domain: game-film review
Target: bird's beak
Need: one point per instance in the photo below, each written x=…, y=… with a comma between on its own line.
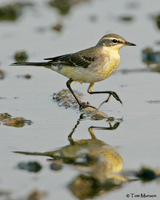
x=129, y=44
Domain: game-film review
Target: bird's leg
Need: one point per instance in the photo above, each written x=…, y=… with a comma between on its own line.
x=72, y=142
x=111, y=93
x=81, y=105
x=68, y=83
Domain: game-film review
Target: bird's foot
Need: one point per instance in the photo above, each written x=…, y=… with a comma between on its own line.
x=115, y=95
x=111, y=93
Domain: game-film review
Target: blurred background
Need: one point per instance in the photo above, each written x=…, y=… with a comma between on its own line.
x=31, y=121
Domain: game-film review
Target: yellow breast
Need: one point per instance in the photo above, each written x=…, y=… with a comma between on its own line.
x=111, y=63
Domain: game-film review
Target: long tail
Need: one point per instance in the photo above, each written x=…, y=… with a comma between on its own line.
x=44, y=64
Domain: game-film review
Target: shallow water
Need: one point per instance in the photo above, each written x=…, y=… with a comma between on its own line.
x=137, y=136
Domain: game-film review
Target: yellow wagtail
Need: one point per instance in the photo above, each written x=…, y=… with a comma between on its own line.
x=88, y=66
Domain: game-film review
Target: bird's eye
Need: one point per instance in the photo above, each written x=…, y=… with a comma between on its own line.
x=114, y=41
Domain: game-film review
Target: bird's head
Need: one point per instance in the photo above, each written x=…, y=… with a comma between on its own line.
x=113, y=40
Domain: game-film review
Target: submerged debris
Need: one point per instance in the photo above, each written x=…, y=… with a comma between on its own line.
x=147, y=174
x=94, y=114
x=57, y=27
x=144, y=173
x=126, y=18
x=156, y=101
x=21, y=56
x=2, y=74
x=16, y=122
x=64, y=6
x=88, y=187
x=56, y=165
x=32, y=166
x=4, y=116
x=5, y=193
x=27, y=76
x=64, y=98
x=12, y=11
x=150, y=57
x=36, y=195
x=7, y=120
x=156, y=18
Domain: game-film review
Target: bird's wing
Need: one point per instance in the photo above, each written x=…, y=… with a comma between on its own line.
x=78, y=59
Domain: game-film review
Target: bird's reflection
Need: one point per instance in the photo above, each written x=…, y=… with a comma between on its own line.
x=99, y=163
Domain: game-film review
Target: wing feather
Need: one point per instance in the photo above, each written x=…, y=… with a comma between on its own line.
x=75, y=60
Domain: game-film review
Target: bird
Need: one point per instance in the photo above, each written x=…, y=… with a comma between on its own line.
x=90, y=65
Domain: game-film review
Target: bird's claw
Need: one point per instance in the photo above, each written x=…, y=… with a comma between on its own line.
x=115, y=95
